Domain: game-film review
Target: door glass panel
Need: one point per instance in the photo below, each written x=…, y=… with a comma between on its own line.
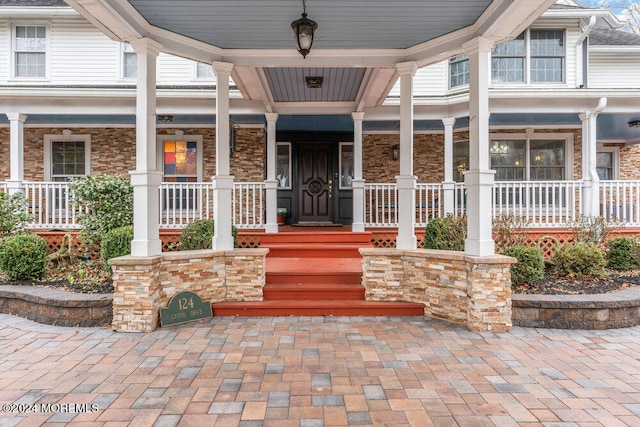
x=283, y=165
x=346, y=165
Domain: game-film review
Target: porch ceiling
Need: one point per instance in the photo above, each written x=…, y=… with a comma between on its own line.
x=357, y=43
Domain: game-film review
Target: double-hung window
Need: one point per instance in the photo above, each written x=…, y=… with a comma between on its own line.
x=535, y=56
x=30, y=51
x=204, y=71
x=459, y=71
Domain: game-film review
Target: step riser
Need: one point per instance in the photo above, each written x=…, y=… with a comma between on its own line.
x=342, y=279
x=326, y=311
x=313, y=295
x=311, y=252
x=354, y=238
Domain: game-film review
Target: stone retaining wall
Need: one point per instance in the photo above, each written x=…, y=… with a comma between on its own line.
x=143, y=285
x=56, y=307
x=599, y=311
x=474, y=291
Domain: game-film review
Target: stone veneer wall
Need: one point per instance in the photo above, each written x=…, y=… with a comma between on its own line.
x=113, y=150
x=453, y=286
x=144, y=285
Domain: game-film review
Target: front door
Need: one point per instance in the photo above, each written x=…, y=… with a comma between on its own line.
x=315, y=182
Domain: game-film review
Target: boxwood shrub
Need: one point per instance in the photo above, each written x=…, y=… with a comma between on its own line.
x=446, y=233
x=530, y=265
x=23, y=256
x=116, y=243
x=623, y=253
x=580, y=259
x=199, y=233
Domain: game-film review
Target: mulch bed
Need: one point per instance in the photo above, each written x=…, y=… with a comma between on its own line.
x=556, y=284
x=103, y=287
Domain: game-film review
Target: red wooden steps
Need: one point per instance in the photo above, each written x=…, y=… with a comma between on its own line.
x=315, y=274
x=317, y=308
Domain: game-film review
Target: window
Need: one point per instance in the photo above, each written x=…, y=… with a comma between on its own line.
x=346, y=165
x=129, y=61
x=535, y=56
x=180, y=160
x=204, y=71
x=67, y=156
x=459, y=71
x=607, y=159
x=527, y=158
x=283, y=165
x=460, y=159
x=508, y=61
x=30, y=46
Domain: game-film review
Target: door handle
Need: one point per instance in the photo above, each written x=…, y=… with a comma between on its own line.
x=330, y=188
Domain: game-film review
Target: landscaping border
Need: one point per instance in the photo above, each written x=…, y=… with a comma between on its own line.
x=56, y=307
x=619, y=309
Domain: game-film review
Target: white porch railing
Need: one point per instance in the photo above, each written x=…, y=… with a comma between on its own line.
x=249, y=200
x=48, y=203
x=4, y=187
x=621, y=200
x=539, y=203
x=380, y=205
x=185, y=202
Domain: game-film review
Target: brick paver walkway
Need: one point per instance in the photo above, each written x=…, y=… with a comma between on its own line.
x=308, y=371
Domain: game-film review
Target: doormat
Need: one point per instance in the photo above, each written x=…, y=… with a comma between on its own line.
x=316, y=224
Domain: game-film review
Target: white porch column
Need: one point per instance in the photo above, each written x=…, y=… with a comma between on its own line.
x=590, y=180
x=223, y=181
x=406, y=181
x=479, y=178
x=271, y=184
x=16, y=152
x=146, y=179
x=448, y=185
x=357, y=184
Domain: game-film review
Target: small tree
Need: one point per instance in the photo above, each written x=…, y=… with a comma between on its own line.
x=13, y=214
x=109, y=199
x=509, y=230
x=593, y=229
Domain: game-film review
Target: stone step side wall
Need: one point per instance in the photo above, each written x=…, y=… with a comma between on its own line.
x=453, y=286
x=143, y=285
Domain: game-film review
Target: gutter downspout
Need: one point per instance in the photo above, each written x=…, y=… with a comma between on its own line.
x=581, y=69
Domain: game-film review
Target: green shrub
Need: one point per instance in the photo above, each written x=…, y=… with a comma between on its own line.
x=198, y=235
x=13, y=213
x=109, y=199
x=530, y=265
x=116, y=242
x=623, y=253
x=446, y=233
x=23, y=256
x=580, y=259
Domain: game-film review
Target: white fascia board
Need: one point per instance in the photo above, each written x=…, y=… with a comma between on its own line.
x=605, y=15
x=36, y=12
x=313, y=107
x=614, y=49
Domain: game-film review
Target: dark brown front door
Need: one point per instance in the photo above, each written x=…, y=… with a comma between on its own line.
x=314, y=182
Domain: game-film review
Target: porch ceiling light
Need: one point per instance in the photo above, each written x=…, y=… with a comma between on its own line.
x=634, y=124
x=314, y=82
x=304, y=29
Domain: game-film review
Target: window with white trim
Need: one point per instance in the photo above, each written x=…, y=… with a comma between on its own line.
x=459, y=71
x=535, y=56
x=129, y=62
x=67, y=156
x=30, y=51
x=607, y=161
x=536, y=158
x=460, y=159
x=204, y=71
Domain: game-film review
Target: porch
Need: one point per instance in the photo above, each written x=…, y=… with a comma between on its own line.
x=541, y=204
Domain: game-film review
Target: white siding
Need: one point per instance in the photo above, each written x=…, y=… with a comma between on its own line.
x=174, y=70
x=614, y=71
x=428, y=81
x=80, y=54
x=5, y=49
